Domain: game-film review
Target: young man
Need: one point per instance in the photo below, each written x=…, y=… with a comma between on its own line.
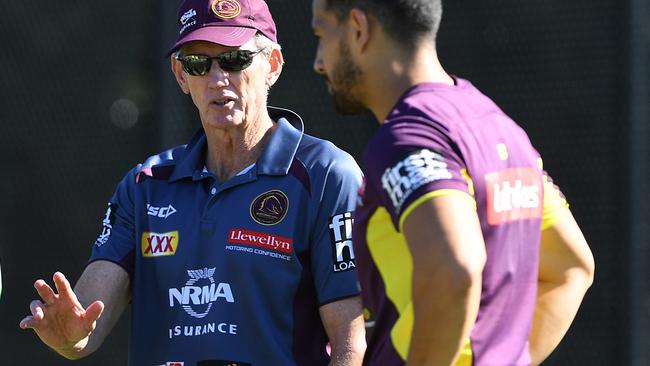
x=234, y=249
x=467, y=253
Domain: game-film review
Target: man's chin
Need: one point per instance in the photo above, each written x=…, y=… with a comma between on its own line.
x=348, y=107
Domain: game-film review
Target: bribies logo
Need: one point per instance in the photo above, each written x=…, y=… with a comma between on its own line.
x=226, y=9
x=107, y=224
x=160, y=212
x=269, y=208
x=514, y=194
x=200, y=293
x=187, y=16
x=159, y=244
x=341, y=234
x=173, y=363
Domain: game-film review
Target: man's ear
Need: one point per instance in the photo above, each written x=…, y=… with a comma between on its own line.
x=360, y=29
x=276, y=60
x=181, y=77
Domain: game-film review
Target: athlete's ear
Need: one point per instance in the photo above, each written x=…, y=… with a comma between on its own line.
x=181, y=77
x=360, y=28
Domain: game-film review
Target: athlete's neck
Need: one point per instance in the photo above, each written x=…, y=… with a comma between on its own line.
x=394, y=71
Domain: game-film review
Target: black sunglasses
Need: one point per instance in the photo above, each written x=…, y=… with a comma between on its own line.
x=235, y=60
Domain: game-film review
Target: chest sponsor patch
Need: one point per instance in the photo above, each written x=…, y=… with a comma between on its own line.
x=159, y=244
x=514, y=194
x=261, y=240
x=414, y=171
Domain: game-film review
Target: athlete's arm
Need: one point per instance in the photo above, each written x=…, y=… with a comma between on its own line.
x=446, y=243
x=75, y=323
x=343, y=322
x=566, y=271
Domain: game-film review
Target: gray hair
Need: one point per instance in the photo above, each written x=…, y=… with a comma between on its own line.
x=264, y=43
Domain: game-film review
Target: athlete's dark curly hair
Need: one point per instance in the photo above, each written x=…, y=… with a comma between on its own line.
x=407, y=21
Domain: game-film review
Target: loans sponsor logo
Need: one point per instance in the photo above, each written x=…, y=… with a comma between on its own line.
x=269, y=208
x=160, y=212
x=107, y=224
x=414, y=171
x=514, y=194
x=341, y=234
x=159, y=244
x=261, y=240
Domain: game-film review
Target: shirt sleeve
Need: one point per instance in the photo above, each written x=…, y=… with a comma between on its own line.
x=409, y=159
x=554, y=202
x=332, y=254
x=116, y=242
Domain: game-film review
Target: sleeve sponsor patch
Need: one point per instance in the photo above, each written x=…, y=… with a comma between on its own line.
x=107, y=225
x=341, y=234
x=414, y=171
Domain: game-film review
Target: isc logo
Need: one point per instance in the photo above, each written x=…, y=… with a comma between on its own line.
x=159, y=244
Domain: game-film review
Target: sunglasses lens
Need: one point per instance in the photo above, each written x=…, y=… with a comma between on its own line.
x=196, y=65
x=235, y=60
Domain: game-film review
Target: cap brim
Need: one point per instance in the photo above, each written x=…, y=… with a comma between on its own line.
x=223, y=35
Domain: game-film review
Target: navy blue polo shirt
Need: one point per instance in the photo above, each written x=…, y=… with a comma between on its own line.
x=235, y=272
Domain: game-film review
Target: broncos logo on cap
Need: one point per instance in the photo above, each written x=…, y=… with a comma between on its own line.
x=226, y=9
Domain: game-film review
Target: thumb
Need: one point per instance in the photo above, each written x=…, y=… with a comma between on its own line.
x=93, y=312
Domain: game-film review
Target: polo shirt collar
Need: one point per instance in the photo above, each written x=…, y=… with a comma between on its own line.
x=276, y=158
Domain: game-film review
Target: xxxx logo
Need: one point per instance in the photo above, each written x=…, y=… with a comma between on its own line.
x=159, y=244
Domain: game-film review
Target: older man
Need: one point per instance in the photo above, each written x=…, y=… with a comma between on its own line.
x=233, y=249
x=468, y=254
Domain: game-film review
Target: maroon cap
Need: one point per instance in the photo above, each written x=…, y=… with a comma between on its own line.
x=226, y=22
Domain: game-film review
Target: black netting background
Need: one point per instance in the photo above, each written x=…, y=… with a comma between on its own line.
x=86, y=94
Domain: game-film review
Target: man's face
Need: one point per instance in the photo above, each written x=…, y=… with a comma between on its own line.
x=334, y=61
x=226, y=99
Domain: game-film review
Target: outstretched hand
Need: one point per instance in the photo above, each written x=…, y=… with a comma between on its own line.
x=58, y=319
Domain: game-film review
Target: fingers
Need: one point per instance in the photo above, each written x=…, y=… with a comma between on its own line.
x=38, y=314
x=62, y=285
x=28, y=322
x=36, y=307
x=93, y=312
x=45, y=291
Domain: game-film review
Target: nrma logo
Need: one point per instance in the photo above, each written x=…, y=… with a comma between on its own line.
x=200, y=292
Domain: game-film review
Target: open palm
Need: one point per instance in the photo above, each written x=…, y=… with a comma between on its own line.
x=58, y=319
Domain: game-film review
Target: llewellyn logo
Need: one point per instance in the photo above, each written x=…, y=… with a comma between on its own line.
x=269, y=208
x=260, y=240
